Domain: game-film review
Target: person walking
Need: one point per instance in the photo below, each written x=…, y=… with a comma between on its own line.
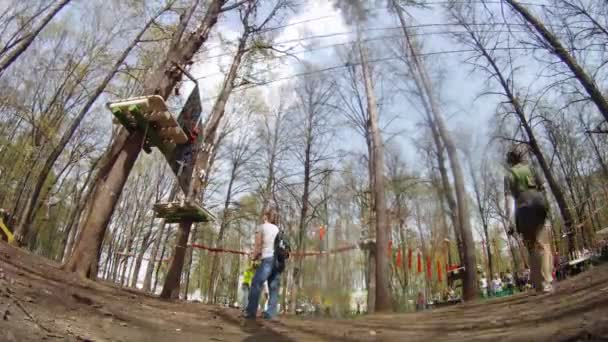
x=264, y=251
x=483, y=286
x=527, y=210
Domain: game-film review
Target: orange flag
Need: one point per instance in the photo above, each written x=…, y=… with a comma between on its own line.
x=321, y=233
x=419, y=263
x=429, y=271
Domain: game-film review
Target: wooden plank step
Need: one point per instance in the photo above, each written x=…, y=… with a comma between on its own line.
x=149, y=114
x=174, y=212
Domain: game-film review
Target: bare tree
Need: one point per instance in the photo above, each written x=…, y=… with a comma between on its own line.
x=172, y=282
x=27, y=216
x=383, y=300
x=19, y=46
x=425, y=88
x=119, y=159
x=312, y=109
x=352, y=105
x=554, y=46
x=240, y=152
x=477, y=42
x=482, y=189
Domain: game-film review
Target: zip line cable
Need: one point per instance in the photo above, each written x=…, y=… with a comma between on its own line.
x=411, y=27
x=384, y=59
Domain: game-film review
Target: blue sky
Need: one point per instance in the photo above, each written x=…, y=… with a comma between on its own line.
x=319, y=18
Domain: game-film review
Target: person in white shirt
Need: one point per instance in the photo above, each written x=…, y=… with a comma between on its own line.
x=483, y=285
x=496, y=284
x=266, y=271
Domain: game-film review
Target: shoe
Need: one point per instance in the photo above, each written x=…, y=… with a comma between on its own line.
x=244, y=315
x=269, y=318
x=547, y=289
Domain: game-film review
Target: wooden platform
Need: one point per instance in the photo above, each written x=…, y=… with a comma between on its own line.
x=149, y=114
x=174, y=212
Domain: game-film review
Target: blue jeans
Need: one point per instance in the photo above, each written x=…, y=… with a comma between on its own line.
x=265, y=272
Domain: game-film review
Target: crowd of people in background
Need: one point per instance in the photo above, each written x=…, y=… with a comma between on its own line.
x=502, y=284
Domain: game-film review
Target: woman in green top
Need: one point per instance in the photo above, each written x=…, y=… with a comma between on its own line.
x=524, y=199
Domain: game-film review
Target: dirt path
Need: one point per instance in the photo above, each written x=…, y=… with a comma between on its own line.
x=39, y=302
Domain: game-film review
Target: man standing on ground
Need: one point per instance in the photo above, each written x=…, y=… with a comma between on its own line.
x=266, y=271
x=524, y=199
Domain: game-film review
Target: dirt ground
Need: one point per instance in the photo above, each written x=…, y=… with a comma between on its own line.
x=38, y=302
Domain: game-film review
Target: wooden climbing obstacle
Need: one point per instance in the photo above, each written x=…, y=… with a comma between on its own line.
x=174, y=212
x=177, y=139
x=150, y=115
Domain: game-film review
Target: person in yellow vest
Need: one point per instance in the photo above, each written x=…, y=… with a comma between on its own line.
x=527, y=210
x=246, y=284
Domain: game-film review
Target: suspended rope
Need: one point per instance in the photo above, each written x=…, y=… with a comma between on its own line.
x=132, y=255
x=218, y=250
x=294, y=254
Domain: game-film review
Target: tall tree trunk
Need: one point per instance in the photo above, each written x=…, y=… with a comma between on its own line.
x=371, y=280
x=106, y=266
x=220, y=236
x=482, y=214
x=305, y=201
x=560, y=51
x=383, y=292
x=123, y=153
x=28, y=213
x=118, y=258
x=445, y=189
x=129, y=245
x=425, y=250
x=162, y=257
x=599, y=157
x=140, y=254
x=424, y=82
x=403, y=247
x=80, y=201
x=157, y=242
x=172, y=283
x=153, y=256
x=29, y=39
x=171, y=291
x=189, y=256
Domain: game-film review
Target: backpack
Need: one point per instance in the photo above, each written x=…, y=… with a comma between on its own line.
x=523, y=179
x=282, y=249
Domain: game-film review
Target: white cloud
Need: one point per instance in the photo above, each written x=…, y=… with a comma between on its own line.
x=320, y=20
